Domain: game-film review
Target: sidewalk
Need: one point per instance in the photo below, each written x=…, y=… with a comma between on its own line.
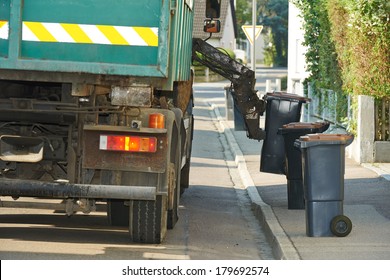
x=366, y=203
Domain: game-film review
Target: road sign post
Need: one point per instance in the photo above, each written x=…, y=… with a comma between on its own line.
x=252, y=33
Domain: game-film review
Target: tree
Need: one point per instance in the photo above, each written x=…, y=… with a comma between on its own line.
x=274, y=15
x=348, y=44
x=243, y=16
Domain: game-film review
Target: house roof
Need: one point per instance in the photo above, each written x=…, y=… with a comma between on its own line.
x=200, y=15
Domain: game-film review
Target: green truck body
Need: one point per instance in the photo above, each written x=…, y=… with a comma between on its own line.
x=79, y=76
x=150, y=38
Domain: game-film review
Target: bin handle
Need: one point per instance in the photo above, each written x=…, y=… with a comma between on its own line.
x=349, y=139
x=297, y=144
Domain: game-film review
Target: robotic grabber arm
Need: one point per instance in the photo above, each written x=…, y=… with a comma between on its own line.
x=243, y=83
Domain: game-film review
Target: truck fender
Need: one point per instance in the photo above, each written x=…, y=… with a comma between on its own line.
x=180, y=126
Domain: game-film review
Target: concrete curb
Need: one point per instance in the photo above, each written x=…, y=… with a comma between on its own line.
x=378, y=169
x=282, y=246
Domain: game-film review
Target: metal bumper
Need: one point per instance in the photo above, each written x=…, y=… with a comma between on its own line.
x=25, y=188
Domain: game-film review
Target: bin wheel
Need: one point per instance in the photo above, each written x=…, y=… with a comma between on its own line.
x=341, y=226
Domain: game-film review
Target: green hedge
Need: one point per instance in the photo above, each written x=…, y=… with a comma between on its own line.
x=348, y=45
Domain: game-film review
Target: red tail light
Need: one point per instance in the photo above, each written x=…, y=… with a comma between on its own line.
x=128, y=143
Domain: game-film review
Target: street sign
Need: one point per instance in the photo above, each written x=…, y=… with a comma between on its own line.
x=248, y=30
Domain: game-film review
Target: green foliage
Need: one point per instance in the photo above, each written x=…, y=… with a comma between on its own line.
x=284, y=83
x=243, y=16
x=275, y=17
x=269, y=50
x=350, y=123
x=365, y=44
x=348, y=44
x=321, y=56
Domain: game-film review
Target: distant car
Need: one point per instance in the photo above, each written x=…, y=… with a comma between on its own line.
x=241, y=56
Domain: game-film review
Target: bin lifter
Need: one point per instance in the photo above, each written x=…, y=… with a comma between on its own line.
x=242, y=87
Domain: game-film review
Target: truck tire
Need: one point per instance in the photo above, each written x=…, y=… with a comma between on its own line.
x=185, y=177
x=185, y=171
x=117, y=212
x=148, y=220
x=174, y=179
x=173, y=215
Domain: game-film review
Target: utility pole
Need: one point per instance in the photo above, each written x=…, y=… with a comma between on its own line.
x=253, y=50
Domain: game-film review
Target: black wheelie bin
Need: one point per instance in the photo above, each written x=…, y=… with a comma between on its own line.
x=323, y=166
x=232, y=112
x=281, y=109
x=292, y=132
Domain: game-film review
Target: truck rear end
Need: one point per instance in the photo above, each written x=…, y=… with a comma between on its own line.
x=96, y=107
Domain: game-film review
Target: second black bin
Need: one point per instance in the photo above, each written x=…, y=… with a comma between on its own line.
x=292, y=132
x=281, y=109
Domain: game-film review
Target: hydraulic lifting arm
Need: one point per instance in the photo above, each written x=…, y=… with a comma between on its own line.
x=243, y=83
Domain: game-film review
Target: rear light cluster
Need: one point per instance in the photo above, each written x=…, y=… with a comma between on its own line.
x=128, y=143
x=132, y=143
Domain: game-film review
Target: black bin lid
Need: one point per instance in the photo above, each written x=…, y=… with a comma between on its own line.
x=287, y=96
x=304, y=127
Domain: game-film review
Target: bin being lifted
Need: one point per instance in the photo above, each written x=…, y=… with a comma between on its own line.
x=281, y=108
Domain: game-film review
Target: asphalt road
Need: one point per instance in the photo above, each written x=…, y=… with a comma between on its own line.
x=216, y=221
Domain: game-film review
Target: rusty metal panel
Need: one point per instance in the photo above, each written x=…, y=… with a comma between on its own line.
x=123, y=161
x=137, y=96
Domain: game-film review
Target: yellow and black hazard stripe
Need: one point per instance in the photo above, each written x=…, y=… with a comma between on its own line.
x=3, y=29
x=85, y=33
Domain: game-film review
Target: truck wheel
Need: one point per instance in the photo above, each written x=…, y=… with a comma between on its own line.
x=185, y=171
x=173, y=215
x=185, y=177
x=117, y=212
x=341, y=226
x=174, y=179
x=148, y=220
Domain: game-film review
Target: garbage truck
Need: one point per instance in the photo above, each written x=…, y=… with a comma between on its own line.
x=96, y=108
